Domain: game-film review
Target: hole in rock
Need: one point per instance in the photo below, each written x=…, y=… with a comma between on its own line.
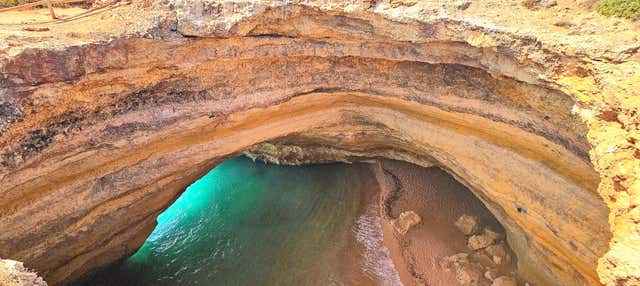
x=250, y=223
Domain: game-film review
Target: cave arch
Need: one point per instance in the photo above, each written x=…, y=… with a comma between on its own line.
x=94, y=119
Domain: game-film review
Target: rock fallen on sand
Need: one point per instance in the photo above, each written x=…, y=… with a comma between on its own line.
x=480, y=241
x=504, y=281
x=497, y=252
x=491, y=274
x=449, y=262
x=469, y=274
x=468, y=225
x=406, y=221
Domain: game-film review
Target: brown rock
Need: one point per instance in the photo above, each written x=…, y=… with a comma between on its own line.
x=405, y=221
x=468, y=224
x=491, y=274
x=535, y=4
x=450, y=262
x=504, y=281
x=398, y=3
x=483, y=259
x=497, y=250
x=469, y=274
x=463, y=5
x=480, y=241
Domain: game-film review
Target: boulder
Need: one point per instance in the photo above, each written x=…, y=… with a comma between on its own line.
x=463, y=5
x=406, y=221
x=450, y=262
x=504, y=281
x=491, y=274
x=536, y=4
x=482, y=258
x=469, y=274
x=497, y=250
x=480, y=241
x=468, y=224
x=399, y=3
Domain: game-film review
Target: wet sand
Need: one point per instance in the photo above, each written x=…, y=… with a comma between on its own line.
x=366, y=259
x=439, y=200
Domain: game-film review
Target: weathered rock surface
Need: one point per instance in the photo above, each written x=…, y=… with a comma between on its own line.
x=405, y=222
x=480, y=241
x=504, y=281
x=468, y=225
x=487, y=258
x=13, y=273
x=103, y=124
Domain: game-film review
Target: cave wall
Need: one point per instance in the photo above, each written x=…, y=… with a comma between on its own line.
x=97, y=139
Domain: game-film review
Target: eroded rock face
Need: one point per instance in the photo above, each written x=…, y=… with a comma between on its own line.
x=102, y=131
x=13, y=273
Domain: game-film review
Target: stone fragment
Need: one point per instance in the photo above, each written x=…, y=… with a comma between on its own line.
x=468, y=274
x=483, y=259
x=498, y=250
x=405, y=221
x=491, y=274
x=463, y=5
x=505, y=281
x=535, y=4
x=449, y=262
x=480, y=241
x=468, y=224
x=398, y=3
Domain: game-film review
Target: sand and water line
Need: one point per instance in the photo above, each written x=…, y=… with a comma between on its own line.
x=250, y=223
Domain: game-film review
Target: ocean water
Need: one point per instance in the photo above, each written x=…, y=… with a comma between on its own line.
x=248, y=223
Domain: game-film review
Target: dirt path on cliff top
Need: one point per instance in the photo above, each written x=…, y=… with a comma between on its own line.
x=569, y=23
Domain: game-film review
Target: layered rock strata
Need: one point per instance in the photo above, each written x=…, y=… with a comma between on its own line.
x=104, y=124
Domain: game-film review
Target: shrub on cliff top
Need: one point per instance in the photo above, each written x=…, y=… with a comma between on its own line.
x=9, y=3
x=623, y=8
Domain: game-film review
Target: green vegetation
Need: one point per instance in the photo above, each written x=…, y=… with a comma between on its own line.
x=623, y=8
x=9, y=3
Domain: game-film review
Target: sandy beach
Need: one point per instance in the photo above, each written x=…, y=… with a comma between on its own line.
x=439, y=200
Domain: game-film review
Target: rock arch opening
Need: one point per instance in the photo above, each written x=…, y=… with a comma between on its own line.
x=96, y=137
x=246, y=222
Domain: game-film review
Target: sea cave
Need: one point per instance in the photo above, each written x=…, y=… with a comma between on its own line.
x=320, y=143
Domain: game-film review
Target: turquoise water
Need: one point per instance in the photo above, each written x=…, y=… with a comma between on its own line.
x=248, y=223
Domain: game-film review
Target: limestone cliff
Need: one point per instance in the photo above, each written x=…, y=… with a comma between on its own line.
x=106, y=119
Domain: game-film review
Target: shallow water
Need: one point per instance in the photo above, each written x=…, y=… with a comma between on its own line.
x=247, y=223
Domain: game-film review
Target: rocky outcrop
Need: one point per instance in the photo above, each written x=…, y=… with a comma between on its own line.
x=105, y=123
x=13, y=273
x=488, y=261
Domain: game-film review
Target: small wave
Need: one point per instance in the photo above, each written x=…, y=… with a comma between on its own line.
x=377, y=260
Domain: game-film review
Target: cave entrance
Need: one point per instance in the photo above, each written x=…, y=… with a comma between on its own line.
x=251, y=223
